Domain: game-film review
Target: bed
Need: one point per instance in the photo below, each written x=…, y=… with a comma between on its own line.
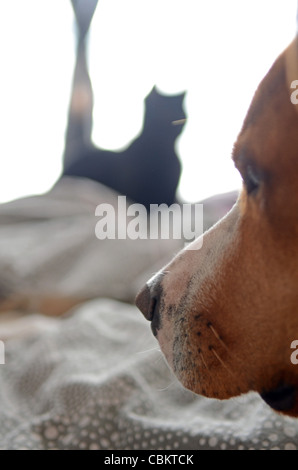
x=94, y=378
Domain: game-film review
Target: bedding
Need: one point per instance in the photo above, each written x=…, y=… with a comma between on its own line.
x=95, y=378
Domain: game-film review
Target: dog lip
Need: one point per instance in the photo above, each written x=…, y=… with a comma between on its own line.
x=282, y=398
x=155, y=322
x=154, y=329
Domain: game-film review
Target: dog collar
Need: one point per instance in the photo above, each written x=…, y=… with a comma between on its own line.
x=291, y=57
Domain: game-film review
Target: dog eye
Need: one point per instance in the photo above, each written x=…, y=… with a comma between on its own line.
x=251, y=180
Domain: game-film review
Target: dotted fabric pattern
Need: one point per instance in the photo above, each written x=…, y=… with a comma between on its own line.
x=96, y=380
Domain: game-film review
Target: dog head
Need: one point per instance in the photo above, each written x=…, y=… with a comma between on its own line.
x=225, y=315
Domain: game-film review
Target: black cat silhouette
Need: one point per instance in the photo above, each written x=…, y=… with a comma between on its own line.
x=148, y=171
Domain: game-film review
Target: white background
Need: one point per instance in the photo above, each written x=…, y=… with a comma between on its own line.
x=216, y=50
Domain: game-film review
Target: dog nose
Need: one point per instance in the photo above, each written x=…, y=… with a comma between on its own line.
x=148, y=302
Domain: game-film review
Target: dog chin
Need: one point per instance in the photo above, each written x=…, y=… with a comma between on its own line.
x=194, y=377
x=282, y=398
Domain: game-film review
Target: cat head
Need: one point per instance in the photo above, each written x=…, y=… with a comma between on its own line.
x=165, y=112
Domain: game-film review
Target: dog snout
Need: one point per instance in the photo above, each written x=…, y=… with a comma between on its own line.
x=148, y=302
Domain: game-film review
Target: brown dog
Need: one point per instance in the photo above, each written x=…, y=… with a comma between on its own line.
x=225, y=315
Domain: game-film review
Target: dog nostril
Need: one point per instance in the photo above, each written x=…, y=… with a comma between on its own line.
x=146, y=303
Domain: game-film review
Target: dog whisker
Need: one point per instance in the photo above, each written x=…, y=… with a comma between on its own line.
x=211, y=327
x=173, y=382
x=149, y=350
x=203, y=360
x=221, y=361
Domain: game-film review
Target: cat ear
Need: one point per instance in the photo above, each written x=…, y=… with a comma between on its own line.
x=182, y=95
x=153, y=92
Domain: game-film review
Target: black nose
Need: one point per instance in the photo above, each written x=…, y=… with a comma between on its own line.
x=148, y=302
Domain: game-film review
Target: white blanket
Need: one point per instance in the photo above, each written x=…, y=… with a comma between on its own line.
x=96, y=379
